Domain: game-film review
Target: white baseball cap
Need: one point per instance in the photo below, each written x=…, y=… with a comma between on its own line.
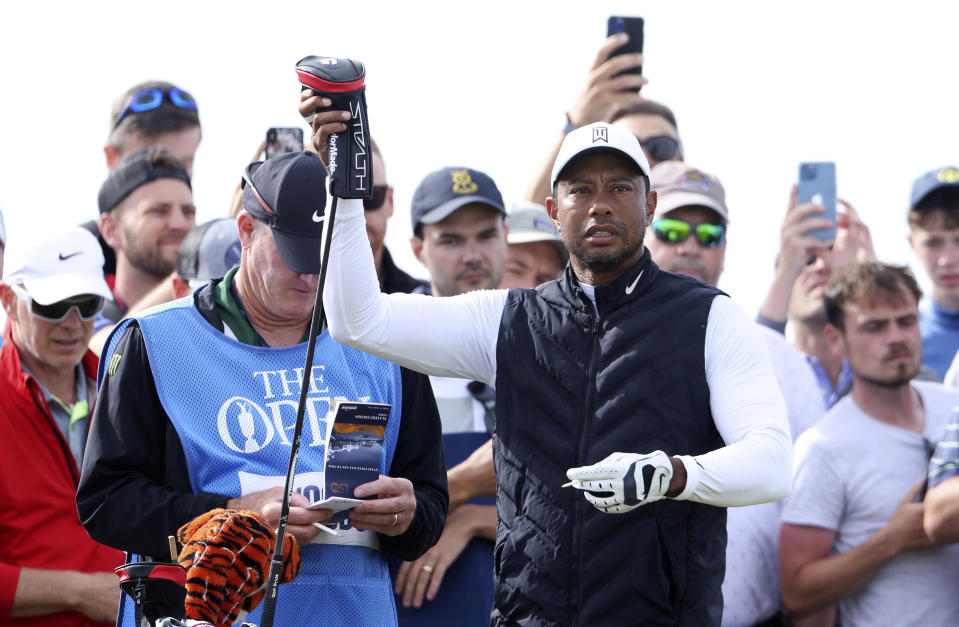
x=57, y=266
x=599, y=136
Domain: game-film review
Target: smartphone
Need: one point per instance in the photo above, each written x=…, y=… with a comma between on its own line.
x=283, y=139
x=632, y=26
x=817, y=184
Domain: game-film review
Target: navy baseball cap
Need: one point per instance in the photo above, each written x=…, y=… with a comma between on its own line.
x=289, y=194
x=930, y=182
x=444, y=191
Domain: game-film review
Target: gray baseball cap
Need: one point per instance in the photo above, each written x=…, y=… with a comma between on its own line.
x=209, y=250
x=529, y=222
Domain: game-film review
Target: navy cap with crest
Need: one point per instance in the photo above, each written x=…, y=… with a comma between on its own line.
x=932, y=181
x=288, y=193
x=444, y=191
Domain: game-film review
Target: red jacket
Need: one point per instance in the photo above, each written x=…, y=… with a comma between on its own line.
x=39, y=524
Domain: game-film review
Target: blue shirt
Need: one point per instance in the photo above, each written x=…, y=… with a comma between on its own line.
x=831, y=395
x=940, y=336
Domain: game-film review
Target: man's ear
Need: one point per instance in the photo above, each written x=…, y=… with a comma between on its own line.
x=8, y=300
x=416, y=243
x=112, y=156
x=110, y=229
x=835, y=339
x=388, y=203
x=553, y=211
x=245, y=228
x=651, y=199
x=180, y=287
x=911, y=238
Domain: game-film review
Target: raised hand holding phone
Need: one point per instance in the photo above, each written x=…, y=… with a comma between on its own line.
x=283, y=139
x=633, y=27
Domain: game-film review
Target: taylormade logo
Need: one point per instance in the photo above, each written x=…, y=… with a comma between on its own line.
x=333, y=153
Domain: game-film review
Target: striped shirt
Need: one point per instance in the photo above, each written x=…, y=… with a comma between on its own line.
x=945, y=460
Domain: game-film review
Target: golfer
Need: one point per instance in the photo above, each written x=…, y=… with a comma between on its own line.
x=197, y=405
x=632, y=404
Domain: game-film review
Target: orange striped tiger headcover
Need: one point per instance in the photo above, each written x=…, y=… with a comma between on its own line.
x=226, y=554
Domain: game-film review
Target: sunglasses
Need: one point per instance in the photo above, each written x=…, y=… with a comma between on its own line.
x=660, y=147
x=87, y=306
x=379, y=197
x=150, y=99
x=676, y=231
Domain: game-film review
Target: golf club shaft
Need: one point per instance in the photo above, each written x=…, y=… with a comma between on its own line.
x=276, y=564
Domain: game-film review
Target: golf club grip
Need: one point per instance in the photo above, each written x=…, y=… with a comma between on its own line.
x=272, y=590
x=276, y=564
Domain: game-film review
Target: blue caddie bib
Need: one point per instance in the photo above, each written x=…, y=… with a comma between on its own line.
x=234, y=409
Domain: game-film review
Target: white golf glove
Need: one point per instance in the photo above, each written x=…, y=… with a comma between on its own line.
x=623, y=481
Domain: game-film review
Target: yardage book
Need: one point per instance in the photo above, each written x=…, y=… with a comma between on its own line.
x=354, y=449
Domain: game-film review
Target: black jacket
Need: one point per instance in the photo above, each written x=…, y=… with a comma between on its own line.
x=571, y=389
x=395, y=280
x=134, y=487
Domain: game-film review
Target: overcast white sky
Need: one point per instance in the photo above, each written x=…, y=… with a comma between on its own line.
x=757, y=87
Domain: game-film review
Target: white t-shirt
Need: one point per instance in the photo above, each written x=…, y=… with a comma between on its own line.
x=459, y=410
x=851, y=472
x=457, y=337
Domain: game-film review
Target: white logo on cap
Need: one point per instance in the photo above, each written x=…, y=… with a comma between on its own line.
x=328, y=61
x=317, y=217
x=599, y=134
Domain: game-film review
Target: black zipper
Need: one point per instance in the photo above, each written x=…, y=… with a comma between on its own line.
x=579, y=503
x=64, y=447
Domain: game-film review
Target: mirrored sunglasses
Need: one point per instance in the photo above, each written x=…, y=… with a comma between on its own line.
x=675, y=231
x=379, y=197
x=150, y=99
x=87, y=306
x=660, y=147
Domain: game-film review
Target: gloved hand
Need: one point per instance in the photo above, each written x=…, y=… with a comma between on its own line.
x=624, y=481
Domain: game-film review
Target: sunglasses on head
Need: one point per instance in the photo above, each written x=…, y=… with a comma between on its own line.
x=660, y=147
x=379, y=197
x=87, y=306
x=150, y=99
x=675, y=231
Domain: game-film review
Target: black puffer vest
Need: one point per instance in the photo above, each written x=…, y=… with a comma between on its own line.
x=571, y=389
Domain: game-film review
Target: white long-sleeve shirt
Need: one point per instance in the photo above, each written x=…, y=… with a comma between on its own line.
x=457, y=336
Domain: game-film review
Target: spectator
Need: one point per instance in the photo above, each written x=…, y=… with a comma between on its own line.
x=613, y=96
x=460, y=236
x=852, y=530
x=803, y=268
x=934, y=235
x=3, y=245
x=941, y=514
x=145, y=477
x=146, y=209
x=689, y=237
x=207, y=252
x=572, y=362
x=153, y=113
x=535, y=253
x=378, y=211
x=51, y=572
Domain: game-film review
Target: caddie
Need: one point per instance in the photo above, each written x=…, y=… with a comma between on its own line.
x=198, y=402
